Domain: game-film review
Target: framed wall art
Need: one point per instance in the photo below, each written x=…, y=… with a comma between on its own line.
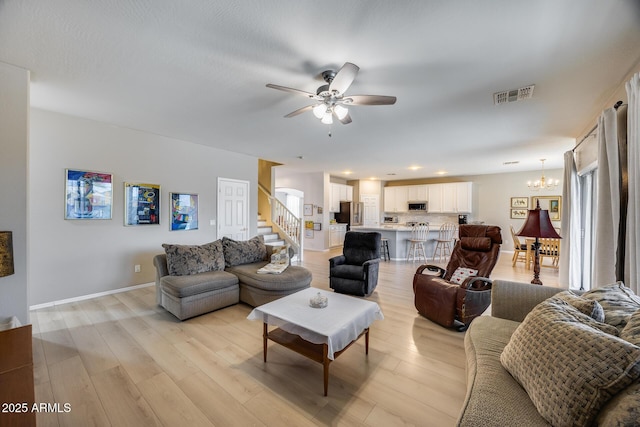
x=519, y=213
x=308, y=209
x=308, y=225
x=184, y=211
x=519, y=203
x=551, y=203
x=88, y=195
x=141, y=204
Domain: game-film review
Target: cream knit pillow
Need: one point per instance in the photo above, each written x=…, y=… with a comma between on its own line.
x=569, y=367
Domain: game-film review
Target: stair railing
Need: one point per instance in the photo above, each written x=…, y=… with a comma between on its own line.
x=285, y=222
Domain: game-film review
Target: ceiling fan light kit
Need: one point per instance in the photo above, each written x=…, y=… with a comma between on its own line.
x=331, y=96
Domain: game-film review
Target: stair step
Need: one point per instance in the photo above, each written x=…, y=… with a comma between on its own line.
x=274, y=243
x=271, y=237
x=265, y=229
x=262, y=223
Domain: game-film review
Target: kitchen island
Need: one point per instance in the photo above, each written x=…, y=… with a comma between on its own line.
x=398, y=237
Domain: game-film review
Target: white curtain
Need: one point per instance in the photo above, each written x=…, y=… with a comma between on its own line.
x=607, y=200
x=571, y=245
x=632, y=252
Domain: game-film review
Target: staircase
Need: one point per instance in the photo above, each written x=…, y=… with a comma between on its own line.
x=271, y=238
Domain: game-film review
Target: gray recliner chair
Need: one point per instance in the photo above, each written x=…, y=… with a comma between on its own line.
x=356, y=271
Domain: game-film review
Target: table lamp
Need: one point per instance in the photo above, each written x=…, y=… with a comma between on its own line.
x=538, y=225
x=6, y=253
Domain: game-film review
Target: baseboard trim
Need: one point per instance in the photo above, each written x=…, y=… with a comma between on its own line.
x=90, y=296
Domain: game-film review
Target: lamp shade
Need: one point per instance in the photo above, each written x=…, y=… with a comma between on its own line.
x=6, y=253
x=538, y=224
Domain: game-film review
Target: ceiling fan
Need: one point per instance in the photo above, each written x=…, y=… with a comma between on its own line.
x=331, y=99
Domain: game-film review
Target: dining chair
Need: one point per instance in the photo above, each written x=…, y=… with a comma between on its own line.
x=519, y=248
x=444, y=242
x=418, y=238
x=550, y=248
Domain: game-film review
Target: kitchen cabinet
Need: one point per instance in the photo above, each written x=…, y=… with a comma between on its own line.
x=334, y=198
x=396, y=199
x=339, y=193
x=451, y=197
x=336, y=234
x=435, y=198
x=417, y=193
x=464, y=200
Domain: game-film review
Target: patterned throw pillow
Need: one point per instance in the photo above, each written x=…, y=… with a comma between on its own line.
x=617, y=301
x=623, y=410
x=280, y=254
x=591, y=308
x=631, y=331
x=461, y=274
x=244, y=252
x=568, y=368
x=183, y=260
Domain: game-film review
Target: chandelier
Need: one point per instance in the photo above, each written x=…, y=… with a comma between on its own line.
x=543, y=182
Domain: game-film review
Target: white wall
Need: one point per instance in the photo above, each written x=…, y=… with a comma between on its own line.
x=79, y=257
x=14, y=137
x=492, y=197
x=316, y=188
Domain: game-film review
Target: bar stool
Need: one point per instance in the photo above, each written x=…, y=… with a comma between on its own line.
x=444, y=240
x=418, y=238
x=384, y=249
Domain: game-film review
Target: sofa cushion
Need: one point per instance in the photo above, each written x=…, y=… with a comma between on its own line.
x=631, y=331
x=617, y=301
x=183, y=260
x=590, y=307
x=578, y=368
x=493, y=397
x=238, y=252
x=461, y=273
x=294, y=277
x=623, y=409
x=184, y=286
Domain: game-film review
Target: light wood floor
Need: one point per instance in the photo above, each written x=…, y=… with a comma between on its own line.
x=120, y=360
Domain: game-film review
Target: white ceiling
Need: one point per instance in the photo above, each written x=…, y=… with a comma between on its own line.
x=196, y=70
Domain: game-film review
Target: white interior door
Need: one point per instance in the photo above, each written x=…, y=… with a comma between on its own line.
x=371, y=203
x=233, y=209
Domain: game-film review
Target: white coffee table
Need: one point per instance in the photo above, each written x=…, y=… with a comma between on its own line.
x=321, y=334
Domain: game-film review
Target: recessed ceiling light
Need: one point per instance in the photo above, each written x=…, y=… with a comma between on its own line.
x=441, y=173
x=415, y=168
x=373, y=178
x=347, y=172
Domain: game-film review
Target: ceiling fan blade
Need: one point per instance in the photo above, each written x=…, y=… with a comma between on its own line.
x=344, y=78
x=345, y=120
x=301, y=110
x=369, y=100
x=296, y=91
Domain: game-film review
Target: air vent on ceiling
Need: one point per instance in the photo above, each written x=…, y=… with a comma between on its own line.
x=513, y=95
x=512, y=162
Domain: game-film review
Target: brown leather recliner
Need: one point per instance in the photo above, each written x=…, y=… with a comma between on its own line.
x=444, y=302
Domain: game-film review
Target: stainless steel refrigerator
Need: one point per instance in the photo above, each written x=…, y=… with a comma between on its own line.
x=350, y=214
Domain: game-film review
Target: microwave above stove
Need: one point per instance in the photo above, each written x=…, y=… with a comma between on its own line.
x=417, y=206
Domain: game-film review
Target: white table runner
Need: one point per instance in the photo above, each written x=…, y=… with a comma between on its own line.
x=341, y=322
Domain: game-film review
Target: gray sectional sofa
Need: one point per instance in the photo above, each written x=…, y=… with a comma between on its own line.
x=195, y=279
x=546, y=356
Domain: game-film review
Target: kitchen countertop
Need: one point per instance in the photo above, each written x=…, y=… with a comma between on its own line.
x=393, y=227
